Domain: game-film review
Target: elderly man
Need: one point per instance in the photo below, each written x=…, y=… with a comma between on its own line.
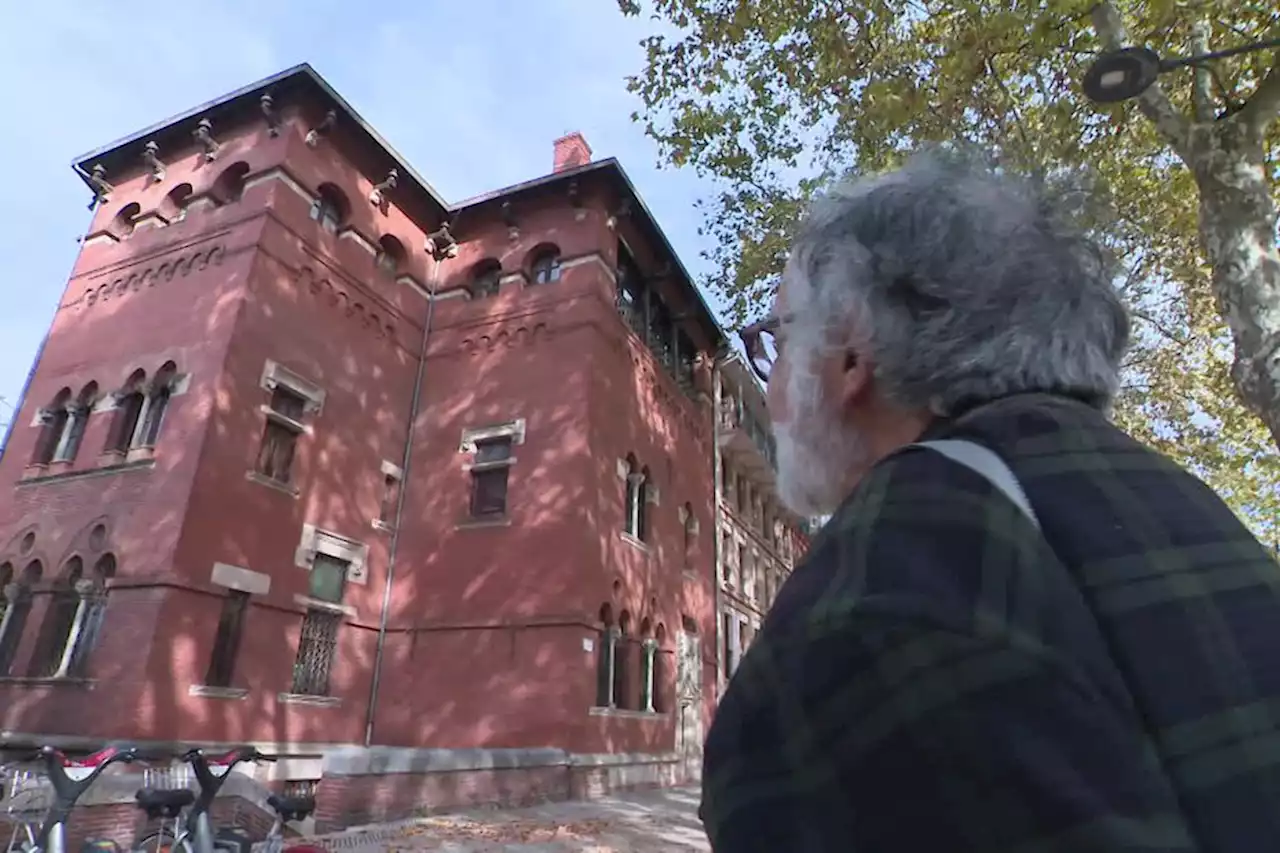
x=1021, y=630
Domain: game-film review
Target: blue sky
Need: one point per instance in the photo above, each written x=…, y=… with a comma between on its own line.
x=471, y=93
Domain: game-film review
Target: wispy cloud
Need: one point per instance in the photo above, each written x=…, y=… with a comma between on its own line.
x=472, y=94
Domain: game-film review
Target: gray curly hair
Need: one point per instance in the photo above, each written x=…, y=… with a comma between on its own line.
x=963, y=284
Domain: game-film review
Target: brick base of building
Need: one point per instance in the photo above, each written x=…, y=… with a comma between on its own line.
x=360, y=786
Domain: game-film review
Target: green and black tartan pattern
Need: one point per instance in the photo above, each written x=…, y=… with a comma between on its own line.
x=937, y=677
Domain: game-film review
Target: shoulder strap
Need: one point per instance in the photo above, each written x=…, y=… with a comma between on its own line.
x=988, y=465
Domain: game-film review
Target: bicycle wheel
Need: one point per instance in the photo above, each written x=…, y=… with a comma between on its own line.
x=162, y=841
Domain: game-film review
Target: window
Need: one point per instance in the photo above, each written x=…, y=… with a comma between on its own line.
x=689, y=524
x=546, y=266
x=621, y=663
x=727, y=657
x=658, y=691
x=489, y=473
x=53, y=426
x=129, y=402
x=157, y=405
x=59, y=619
x=390, y=499
x=328, y=579
x=79, y=420
x=280, y=434
x=742, y=566
x=17, y=607
x=229, y=187
x=390, y=254
x=89, y=618
x=486, y=279
x=329, y=208
x=226, y=642
x=605, y=657
x=636, y=521
x=317, y=647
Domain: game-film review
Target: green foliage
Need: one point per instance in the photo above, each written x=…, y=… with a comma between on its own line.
x=775, y=98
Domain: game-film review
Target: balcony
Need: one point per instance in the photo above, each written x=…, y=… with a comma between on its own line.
x=747, y=439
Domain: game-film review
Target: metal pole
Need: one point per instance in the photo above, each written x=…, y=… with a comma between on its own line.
x=400, y=501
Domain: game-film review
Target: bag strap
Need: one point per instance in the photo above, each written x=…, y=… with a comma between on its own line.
x=987, y=464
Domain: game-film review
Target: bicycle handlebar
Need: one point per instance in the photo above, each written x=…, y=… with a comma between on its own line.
x=210, y=783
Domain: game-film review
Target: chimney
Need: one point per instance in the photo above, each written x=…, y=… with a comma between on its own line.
x=571, y=151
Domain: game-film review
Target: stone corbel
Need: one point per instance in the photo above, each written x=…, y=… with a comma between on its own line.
x=268, y=104
x=509, y=219
x=378, y=195
x=151, y=156
x=440, y=244
x=101, y=189
x=322, y=129
x=203, y=135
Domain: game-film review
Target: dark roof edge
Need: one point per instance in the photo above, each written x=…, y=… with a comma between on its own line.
x=612, y=166
x=304, y=69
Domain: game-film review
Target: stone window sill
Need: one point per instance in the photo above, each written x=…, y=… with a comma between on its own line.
x=308, y=699
x=35, y=475
x=207, y=692
x=634, y=542
x=49, y=681
x=481, y=523
x=264, y=480
x=597, y=711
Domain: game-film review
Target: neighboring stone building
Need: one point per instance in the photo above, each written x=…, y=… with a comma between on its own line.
x=758, y=540
x=314, y=459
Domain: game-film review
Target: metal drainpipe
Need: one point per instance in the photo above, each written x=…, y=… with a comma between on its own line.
x=400, y=499
x=26, y=385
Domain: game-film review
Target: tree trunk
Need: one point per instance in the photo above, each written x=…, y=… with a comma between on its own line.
x=1238, y=235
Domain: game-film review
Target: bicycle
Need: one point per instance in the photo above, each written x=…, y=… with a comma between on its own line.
x=69, y=778
x=192, y=831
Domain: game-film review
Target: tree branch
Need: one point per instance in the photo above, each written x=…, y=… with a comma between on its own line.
x=1202, y=92
x=1264, y=104
x=1153, y=103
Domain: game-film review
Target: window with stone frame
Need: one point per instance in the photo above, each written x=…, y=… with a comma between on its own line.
x=638, y=491
x=546, y=266
x=490, y=474
x=53, y=419
x=226, y=640
x=486, y=279
x=330, y=208
x=69, y=446
x=129, y=402
x=17, y=594
x=390, y=499
x=318, y=639
x=284, y=423
x=606, y=657
x=159, y=396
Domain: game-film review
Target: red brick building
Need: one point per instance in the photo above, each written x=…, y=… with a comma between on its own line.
x=315, y=460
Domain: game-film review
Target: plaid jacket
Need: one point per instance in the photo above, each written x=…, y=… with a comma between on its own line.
x=939, y=677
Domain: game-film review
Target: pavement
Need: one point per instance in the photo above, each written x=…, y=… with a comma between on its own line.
x=636, y=822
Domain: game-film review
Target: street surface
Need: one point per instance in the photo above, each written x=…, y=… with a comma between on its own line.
x=638, y=822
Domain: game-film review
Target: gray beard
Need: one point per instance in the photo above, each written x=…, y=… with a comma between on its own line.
x=817, y=454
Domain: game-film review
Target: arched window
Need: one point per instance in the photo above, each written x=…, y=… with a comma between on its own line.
x=174, y=208
x=59, y=620
x=157, y=404
x=659, y=693
x=229, y=187
x=486, y=279
x=17, y=598
x=89, y=615
x=330, y=208
x=690, y=524
x=546, y=265
x=54, y=419
x=77, y=423
x=130, y=400
x=391, y=254
x=605, y=657
x=621, y=663
x=123, y=223
x=635, y=522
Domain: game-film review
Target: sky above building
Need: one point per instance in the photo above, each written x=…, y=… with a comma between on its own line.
x=472, y=94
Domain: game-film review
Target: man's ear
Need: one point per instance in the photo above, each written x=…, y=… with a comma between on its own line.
x=855, y=378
